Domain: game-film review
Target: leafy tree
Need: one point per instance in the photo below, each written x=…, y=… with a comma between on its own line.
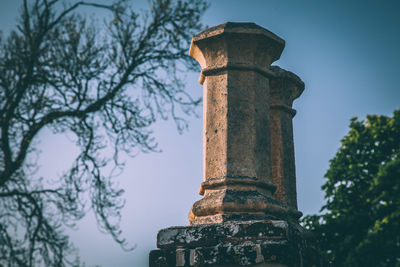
x=360, y=222
x=104, y=84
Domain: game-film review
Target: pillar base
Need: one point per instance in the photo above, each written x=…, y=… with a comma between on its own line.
x=228, y=205
x=239, y=199
x=252, y=243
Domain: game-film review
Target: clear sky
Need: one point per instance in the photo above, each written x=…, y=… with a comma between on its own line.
x=345, y=51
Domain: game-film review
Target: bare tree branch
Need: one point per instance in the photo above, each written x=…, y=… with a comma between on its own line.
x=62, y=72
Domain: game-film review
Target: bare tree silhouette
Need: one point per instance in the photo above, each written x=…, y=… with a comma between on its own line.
x=61, y=71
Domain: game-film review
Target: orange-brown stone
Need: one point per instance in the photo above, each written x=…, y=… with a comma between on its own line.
x=285, y=87
x=238, y=185
x=248, y=213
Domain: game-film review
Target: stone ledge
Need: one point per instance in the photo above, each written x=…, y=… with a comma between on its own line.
x=213, y=234
x=217, y=182
x=235, y=244
x=239, y=205
x=218, y=69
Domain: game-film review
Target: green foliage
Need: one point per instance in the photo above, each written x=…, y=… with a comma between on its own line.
x=360, y=223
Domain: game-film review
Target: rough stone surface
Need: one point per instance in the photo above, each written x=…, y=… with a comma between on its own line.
x=235, y=60
x=285, y=87
x=248, y=214
x=255, y=243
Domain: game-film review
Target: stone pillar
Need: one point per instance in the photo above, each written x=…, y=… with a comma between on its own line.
x=248, y=146
x=285, y=87
x=235, y=60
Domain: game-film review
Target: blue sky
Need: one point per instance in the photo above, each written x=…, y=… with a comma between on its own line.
x=347, y=54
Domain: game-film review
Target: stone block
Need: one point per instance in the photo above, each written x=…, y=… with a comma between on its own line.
x=251, y=243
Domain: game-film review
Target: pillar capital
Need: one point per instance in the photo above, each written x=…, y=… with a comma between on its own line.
x=285, y=87
x=242, y=46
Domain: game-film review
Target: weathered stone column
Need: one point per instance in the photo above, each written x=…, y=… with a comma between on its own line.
x=285, y=87
x=235, y=60
x=248, y=146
